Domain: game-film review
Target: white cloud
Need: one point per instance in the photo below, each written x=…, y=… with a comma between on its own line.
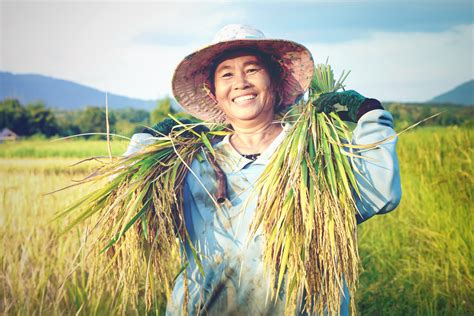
x=404, y=66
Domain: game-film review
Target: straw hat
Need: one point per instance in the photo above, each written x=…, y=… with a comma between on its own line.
x=191, y=85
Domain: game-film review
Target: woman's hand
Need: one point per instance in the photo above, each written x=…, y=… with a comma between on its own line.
x=350, y=105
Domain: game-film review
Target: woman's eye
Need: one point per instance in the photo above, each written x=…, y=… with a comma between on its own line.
x=252, y=70
x=226, y=75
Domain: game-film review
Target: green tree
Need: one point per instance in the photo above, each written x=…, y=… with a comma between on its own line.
x=14, y=116
x=160, y=112
x=132, y=115
x=67, y=122
x=92, y=120
x=41, y=120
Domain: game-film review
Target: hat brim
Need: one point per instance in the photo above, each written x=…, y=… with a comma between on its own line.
x=191, y=77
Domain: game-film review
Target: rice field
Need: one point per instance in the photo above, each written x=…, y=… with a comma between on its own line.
x=68, y=148
x=417, y=260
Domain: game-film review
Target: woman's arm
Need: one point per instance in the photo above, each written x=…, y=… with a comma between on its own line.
x=379, y=178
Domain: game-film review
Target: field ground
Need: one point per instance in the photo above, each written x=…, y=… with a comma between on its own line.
x=418, y=260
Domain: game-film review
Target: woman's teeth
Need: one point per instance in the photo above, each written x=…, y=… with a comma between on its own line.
x=244, y=98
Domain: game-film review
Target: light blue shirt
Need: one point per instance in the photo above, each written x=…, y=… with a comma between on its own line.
x=233, y=280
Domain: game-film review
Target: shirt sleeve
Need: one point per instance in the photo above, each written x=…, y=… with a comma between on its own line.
x=378, y=174
x=138, y=142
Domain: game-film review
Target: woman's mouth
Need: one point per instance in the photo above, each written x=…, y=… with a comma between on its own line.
x=244, y=98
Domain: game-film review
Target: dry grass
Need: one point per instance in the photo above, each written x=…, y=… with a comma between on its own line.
x=42, y=270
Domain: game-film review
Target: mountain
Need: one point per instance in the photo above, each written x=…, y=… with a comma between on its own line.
x=62, y=94
x=462, y=94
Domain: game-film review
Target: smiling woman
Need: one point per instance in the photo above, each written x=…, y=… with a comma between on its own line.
x=266, y=215
x=243, y=89
x=246, y=94
x=243, y=79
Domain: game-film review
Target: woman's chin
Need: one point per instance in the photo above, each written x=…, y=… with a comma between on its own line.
x=249, y=116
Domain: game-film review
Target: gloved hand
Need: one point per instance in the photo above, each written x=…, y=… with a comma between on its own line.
x=350, y=105
x=166, y=126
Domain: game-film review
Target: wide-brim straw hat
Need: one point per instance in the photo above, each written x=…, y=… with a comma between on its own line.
x=191, y=85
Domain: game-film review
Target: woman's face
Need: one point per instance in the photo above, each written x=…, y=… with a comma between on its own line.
x=244, y=90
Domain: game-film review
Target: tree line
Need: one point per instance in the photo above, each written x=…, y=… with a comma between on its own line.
x=406, y=114
x=37, y=119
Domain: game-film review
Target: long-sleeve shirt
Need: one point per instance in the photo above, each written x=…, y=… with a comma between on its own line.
x=234, y=281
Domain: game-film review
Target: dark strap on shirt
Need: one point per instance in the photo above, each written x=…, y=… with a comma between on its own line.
x=251, y=156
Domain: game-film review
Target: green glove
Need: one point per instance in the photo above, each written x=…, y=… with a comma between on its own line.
x=350, y=102
x=166, y=126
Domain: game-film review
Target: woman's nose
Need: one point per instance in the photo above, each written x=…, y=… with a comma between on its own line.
x=241, y=81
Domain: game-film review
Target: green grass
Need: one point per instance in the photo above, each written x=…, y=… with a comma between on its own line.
x=77, y=148
x=418, y=260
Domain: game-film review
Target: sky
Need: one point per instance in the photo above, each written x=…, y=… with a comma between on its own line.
x=396, y=50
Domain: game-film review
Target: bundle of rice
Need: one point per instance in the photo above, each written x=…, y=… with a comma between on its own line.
x=306, y=207
x=143, y=192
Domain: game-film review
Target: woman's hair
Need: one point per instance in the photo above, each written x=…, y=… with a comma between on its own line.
x=271, y=65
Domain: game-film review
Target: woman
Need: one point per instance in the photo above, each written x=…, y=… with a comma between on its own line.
x=243, y=79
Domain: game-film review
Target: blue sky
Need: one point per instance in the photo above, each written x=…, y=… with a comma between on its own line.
x=396, y=50
x=337, y=21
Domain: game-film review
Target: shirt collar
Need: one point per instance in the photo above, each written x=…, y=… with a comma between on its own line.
x=230, y=160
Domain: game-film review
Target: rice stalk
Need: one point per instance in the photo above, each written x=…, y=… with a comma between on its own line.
x=307, y=210
x=140, y=216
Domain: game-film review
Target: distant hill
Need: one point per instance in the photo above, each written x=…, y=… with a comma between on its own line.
x=462, y=94
x=62, y=94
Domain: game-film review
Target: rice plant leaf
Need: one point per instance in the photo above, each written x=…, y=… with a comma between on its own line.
x=328, y=163
x=341, y=171
x=174, y=172
x=181, y=270
x=182, y=125
x=311, y=198
x=195, y=255
x=207, y=143
x=199, y=157
x=73, y=206
x=144, y=222
x=304, y=203
x=350, y=174
x=136, y=202
x=91, y=197
x=311, y=149
x=284, y=260
x=127, y=226
x=291, y=287
x=82, y=216
x=219, y=133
